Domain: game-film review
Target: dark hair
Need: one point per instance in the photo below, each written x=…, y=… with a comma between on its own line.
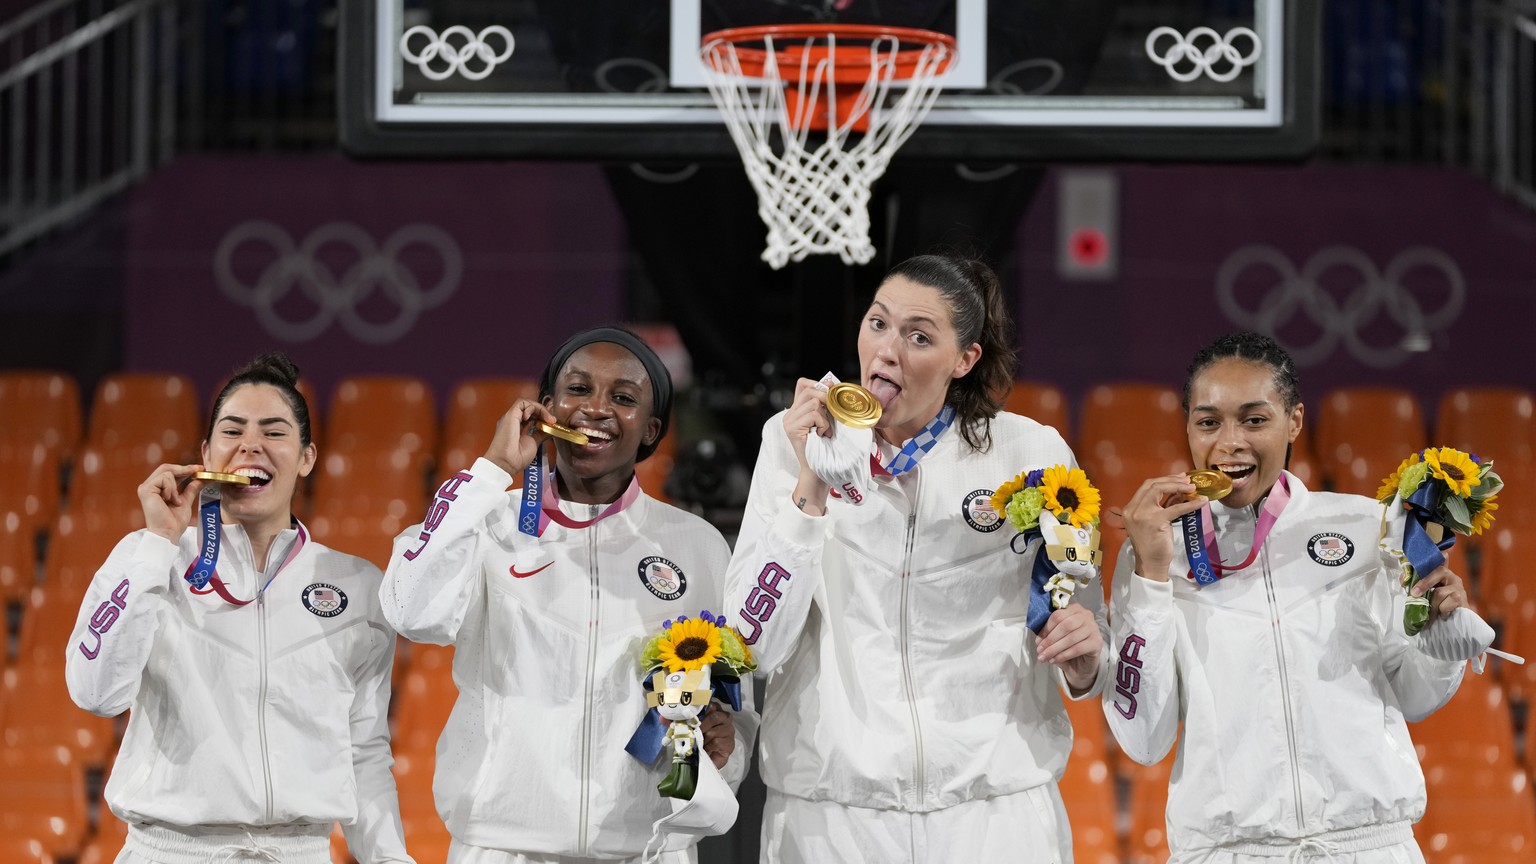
x=661, y=379
x=1254, y=348
x=978, y=312
x=277, y=370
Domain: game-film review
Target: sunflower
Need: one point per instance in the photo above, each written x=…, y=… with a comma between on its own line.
x=1484, y=517
x=1456, y=468
x=689, y=644
x=1389, y=485
x=1069, y=496
x=1008, y=490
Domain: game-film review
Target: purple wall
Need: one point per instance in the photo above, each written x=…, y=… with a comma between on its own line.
x=445, y=271
x=1179, y=226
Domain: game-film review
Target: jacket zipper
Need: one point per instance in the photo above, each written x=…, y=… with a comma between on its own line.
x=261, y=702
x=906, y=658
x=1285, y=688
x=586, y=716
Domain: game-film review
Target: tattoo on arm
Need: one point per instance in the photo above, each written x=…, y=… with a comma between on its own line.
x=800, y=503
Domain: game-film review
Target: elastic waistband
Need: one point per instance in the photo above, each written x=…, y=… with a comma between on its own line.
x=277, y=844
x=1326, y=844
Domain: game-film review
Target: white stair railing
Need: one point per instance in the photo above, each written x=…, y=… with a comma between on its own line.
x=87, y=106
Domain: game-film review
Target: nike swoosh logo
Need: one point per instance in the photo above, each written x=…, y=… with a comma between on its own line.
x=517, y=575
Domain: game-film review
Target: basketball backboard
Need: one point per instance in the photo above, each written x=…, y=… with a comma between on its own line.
x=1033, y=79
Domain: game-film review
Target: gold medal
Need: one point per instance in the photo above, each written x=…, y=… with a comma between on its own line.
x=221, y=477
x=564, y=433
x=852, y=405
x=1212, y=484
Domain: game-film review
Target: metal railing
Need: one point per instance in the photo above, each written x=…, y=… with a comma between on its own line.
x=1512, y=71
x=86, y=108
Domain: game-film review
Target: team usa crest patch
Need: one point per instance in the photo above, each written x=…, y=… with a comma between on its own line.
x=978, y=512
x=326, y=601
x=662, y=578
x=1330, y=549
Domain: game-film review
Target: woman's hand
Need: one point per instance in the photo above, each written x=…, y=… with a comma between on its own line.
x=1071, y=640
x=807, y=415
x=1450, y=593
x=1149, y=519
x=719, y=734
x=517, y=440
x=169, y=498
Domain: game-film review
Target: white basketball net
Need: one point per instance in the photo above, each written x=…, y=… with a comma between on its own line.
x=813, y=192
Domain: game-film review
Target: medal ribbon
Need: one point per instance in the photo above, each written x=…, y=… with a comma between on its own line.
x=915, y=449
x=541, y=502
x=1205, y=567
x=203, y=570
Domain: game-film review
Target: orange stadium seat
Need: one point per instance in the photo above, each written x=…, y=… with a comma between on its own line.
x=107, y=841
x=426, y=836
x=1304, y=463
x=43, y=799
x=47, y=620
x=1147, y=842
x=18, y=559
x=1088, y=787
x=1040, y=402
x=44, y=715
x=473, y=410
x=369, y=482
x=1494, y=423
x=422, y=705
x=376, y=413
x=32, y=482
x=140, y=408
x=653, y=472
x=1132, y=421
x=41, y=408
x=108, y=478
x=79, y=544
x=1363, y=433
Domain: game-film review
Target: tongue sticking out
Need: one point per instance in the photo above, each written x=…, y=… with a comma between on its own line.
x=883, y=390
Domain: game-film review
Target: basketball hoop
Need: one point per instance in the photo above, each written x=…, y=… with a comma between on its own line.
x=836, y=82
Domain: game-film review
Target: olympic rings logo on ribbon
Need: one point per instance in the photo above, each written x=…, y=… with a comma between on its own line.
x=476, y=46
x=1374, y=294
x=289, y=268
x=1220, y=52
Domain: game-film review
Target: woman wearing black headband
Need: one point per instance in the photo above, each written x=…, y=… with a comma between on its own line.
x=547, y=593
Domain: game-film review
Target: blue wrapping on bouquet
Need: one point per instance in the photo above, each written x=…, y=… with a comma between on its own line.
x=1423, y=553
x=1041, y=571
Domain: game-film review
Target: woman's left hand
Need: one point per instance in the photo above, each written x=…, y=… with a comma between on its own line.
x=719, y=734
x=1450, y=592
x=1071, y=640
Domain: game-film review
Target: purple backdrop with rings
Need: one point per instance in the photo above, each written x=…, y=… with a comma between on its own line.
x=1322, y=257
x=442, y=271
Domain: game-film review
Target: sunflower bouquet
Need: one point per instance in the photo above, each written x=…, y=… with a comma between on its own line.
x=1437, y=493
x=683, y=667
x=1059, y=506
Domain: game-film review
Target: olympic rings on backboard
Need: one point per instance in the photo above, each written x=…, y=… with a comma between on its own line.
x=476, y=46
x=336, y=296
x=1219, y=59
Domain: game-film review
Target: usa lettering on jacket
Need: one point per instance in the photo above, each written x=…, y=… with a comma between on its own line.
x=105, y=616
x=1128, y=675
x=763, y=600
x=446, y=495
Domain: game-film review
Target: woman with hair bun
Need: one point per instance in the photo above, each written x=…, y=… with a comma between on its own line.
x=254, y=660
x=913, y=715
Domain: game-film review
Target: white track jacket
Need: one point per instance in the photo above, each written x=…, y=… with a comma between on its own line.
x=1292, y=679
x=272, y=713
x=547, y=635
x=906, y=675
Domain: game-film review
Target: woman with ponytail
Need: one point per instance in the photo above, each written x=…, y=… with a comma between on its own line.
x=912, y=714
x=256, y=661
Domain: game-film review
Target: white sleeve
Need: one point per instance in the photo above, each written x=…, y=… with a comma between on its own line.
x=1141, y=701
x=118, y=621
x=1421, y=683
x=434, y=570
x=775, y=571
x=378, y=835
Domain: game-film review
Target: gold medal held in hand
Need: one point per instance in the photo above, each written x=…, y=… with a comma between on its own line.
x=853, y=406
x=564, y=433
x=1211, y=483
x=221, y=477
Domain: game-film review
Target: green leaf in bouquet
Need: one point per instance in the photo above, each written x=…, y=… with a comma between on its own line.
x=1413, y=477
x=1456, y=510
x=1416, y=613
